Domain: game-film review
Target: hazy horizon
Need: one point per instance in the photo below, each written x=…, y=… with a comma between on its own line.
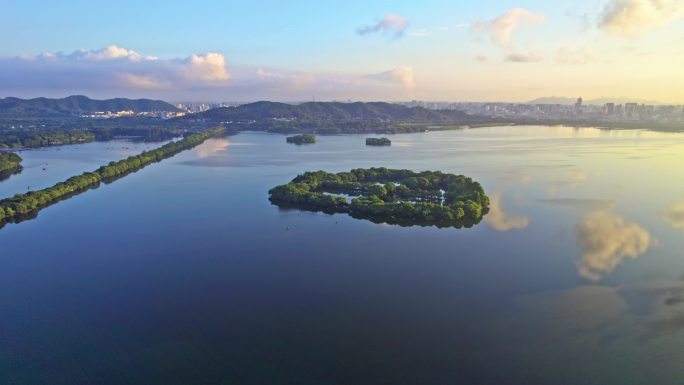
x=562, y=100
x=390, y=51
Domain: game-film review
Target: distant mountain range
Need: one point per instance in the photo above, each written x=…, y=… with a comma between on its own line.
x=76, y=105
x=330, y=111
x=334, y=118
x=597, y=101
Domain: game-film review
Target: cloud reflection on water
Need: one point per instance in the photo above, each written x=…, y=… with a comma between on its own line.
x=606, y=239
x=581, y=203
x=674, y=215
x=211, y=147
x=499, y=220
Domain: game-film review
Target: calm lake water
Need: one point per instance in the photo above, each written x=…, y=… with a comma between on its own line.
x=184, y=273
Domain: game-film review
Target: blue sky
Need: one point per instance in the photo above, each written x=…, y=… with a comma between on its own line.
x=434, y=49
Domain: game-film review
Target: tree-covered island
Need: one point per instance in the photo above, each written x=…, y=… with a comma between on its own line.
x=378, y=142
x=301, y=139
x=9, y=162
x=22, y=206
x=404, y=197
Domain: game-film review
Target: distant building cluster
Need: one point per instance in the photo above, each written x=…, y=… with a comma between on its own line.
x=121, y=114
x=610, y=112
x=201, y=107
x=579, y=111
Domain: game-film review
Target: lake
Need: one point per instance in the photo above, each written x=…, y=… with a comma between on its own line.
x=184, y=273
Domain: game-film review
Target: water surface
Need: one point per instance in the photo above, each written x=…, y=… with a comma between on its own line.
x=183, y=273
x=43, y=167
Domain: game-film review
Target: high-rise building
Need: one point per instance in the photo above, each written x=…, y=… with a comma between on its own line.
x=630, y=109
x=578, y=106
x=610, y=108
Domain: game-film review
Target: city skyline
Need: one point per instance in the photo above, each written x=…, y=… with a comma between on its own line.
x=385, y=50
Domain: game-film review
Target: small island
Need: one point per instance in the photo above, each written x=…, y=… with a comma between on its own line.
x=382, y=195
x=378, y=142
x=10, y=163
x=301, y=139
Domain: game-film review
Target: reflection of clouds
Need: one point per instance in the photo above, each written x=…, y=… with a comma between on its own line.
x=577, y=176
x=674, y=215
x=501, y=221
x=581, y=203
x=211, y=147
x=571, y=178
x=606, y=239
x=646, y=310
x=552, y=191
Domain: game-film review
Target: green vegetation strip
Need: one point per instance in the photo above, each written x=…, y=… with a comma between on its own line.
x=404, y=197
x=301, y=139
x=22, y=206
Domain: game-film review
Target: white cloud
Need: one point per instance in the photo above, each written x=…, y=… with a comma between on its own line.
x=208, y=67
x=397, y=82
x=113, y=67
x=391, y=24
x=631, y=18
x=606, y=240
x=110, y=52
x=115, y=71
x=501, y=31
x=403, y=75
x=140, y=81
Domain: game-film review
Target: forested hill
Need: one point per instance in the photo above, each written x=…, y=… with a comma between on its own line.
x=76, y=105
x=335, y=117
x=331, y=111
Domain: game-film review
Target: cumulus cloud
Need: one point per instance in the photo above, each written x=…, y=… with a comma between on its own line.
x=631, y=18
x=110, y=52
x=284, y=84
x=606, y=240
x=403, y=75
x=116, y=71
x=674, y=215
x=112, y=67
x=392, y=24
x=499, y=220
x=502, y=29
x=208, y=67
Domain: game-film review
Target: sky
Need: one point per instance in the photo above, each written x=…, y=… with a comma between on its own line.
x=239, y=51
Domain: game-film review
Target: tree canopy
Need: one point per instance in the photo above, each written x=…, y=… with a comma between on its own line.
x=378, y=142
x=405, y=197
x=24, y=205
x=9, y=161
x=301, y=139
